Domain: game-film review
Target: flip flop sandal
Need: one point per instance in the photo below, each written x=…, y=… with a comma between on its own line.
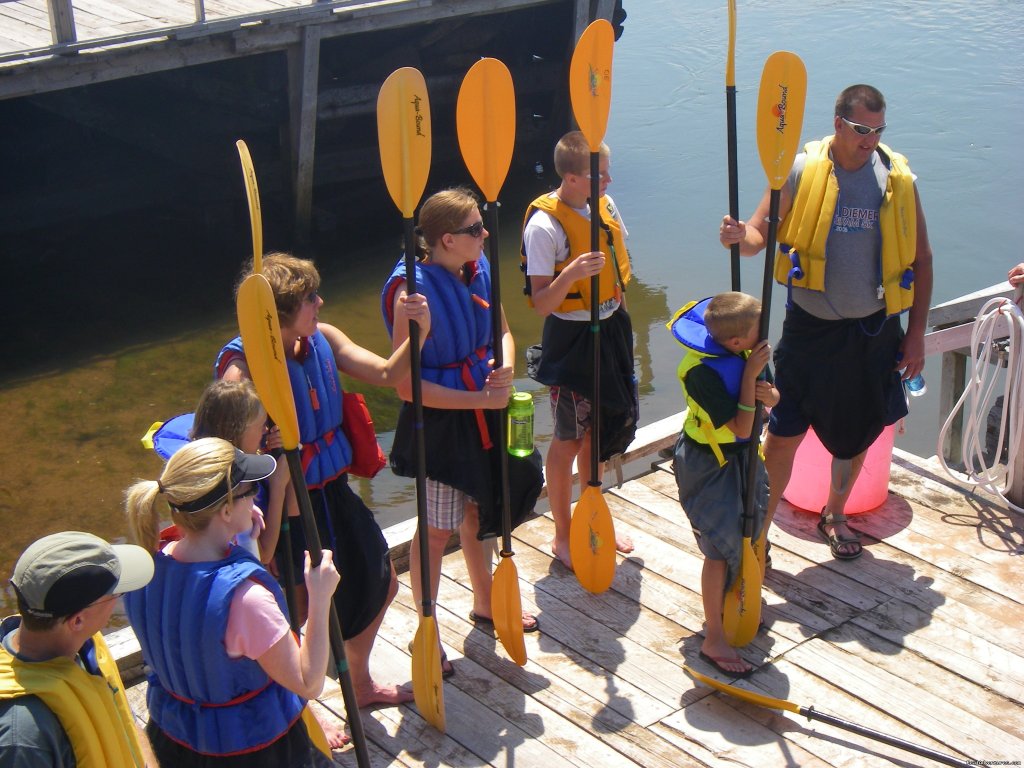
x=718, y=661
x=835, y=541
x=486, y=622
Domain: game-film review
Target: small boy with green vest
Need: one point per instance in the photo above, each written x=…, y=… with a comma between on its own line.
x=721, y=375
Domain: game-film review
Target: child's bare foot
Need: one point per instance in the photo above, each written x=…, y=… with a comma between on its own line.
x=336, y=736
x=623, y=543
x=561, y=551
x=389, y=695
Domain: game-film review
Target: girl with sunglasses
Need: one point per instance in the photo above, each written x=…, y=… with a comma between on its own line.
x=460, y=386
x=228, y=681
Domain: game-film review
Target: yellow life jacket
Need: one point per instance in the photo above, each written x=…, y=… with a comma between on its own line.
x=687, y=326
x=616, y=273
x=93, y=710
x=809, y=222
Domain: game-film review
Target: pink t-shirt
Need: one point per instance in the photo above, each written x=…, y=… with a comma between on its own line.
x=255, y=622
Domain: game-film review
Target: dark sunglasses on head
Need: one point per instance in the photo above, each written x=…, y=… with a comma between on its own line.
x=864, y=130
x=473, y=230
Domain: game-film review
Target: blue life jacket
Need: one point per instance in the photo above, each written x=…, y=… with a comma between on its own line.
x=198, y=695
x=316, y=389
x=456, y=352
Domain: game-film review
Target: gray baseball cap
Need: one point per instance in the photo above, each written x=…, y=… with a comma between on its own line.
x=62, y=573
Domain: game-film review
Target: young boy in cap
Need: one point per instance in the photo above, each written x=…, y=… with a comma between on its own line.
x=62, y=702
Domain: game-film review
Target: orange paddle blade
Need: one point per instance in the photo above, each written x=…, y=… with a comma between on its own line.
x=592, y=541
x=780, y=114
x=507, y=610
x=427, y=685
x=741, y=611
x=590, y=81
x=265, y=355
x=730, y=63
x=252, y=194
x=754, y=698
x=485, y=118
x=404, y=135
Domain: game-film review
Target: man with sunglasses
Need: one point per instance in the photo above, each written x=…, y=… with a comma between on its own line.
x=854, y=255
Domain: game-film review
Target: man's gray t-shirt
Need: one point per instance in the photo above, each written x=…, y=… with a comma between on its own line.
x=853, y=247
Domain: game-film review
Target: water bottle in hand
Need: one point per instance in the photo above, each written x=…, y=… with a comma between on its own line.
x=916, y=386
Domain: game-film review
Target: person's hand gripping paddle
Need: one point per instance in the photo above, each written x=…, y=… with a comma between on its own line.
x=485, y=117
x=404, y=135
x=780, y=115
x=592, y=532
x=265, y=356
x=252, y=195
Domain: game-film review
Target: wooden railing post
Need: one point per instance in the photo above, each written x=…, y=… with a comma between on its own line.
x=62, y=21
x=303, y=88
x=951, y=386
x=200, y=11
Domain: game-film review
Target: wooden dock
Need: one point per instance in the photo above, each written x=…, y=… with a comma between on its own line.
x=920, y=639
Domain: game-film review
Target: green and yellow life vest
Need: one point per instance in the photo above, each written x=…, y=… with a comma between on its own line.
x=809, y=222
x=92, y=709
x=616, y=273
x=687, y=327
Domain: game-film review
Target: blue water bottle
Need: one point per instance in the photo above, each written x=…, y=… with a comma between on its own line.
x=916, y=386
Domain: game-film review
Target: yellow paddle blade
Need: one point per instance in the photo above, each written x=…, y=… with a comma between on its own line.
x=507, y=610
x=754, y=698
x=730, y=62
x=485, y=118
x=592, y=541
x=590, y=81
x=403, y=133
x=427, y=688
x=252, y=194
x=265, y=355
x=780, y=114
x=741, y=612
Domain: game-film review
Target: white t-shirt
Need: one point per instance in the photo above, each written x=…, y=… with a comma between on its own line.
x=546, y=245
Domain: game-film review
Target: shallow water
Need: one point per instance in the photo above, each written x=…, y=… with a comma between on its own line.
x=123, y=332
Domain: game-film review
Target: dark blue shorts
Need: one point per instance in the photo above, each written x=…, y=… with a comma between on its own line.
x=839, y=377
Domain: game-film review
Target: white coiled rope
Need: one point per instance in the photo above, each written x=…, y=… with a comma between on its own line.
x=998, y=318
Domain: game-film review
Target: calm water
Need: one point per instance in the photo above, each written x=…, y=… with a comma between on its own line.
x=139, y=347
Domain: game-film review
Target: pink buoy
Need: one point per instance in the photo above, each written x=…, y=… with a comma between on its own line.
x=812, y=471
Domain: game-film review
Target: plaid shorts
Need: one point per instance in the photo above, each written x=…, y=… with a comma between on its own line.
x=446, y=506
x=570, y=412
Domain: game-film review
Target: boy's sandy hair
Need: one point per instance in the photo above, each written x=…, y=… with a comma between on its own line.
x=572, y=154
x=291, y=278
x=731, y=314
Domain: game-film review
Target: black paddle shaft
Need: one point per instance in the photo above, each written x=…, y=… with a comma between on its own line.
x=811, y=714
x=417, y=409
x=497, y=332
x=766, y=306
x=337, y=642
x=734, y=191
x=595, y=314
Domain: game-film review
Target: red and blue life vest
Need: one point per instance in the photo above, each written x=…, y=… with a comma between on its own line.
x=198, y=695
x=316, y=389
x=457, y=351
